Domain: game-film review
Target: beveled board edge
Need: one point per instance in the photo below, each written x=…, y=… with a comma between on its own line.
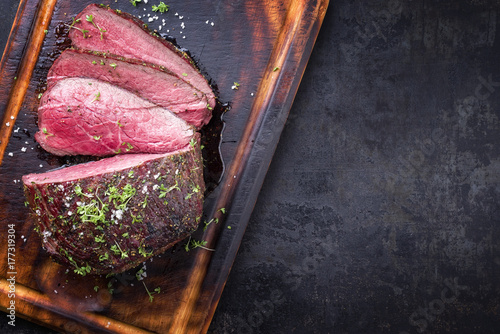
x=24, y=72
x=267, y=119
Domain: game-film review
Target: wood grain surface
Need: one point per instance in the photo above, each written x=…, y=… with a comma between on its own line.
x=264, y=47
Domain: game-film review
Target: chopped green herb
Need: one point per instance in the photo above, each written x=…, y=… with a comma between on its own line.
x=74, y=21
x=162, y=8
x=276, y=69
x=119, y=124
x=118, y=251
x=40, y=95
x=143, y=252
x=90, y=18
x=97, y=97
x=129, y=146
x=184, y=74
x=97, y=137
x=149, y=293
x=164, y=191
x=145, y=202
x=83, y=270
x=192, y=244
x=99, y=238
x=113, y=65
x=136, y=219
x=45, y=31
x=120, y=200
x=46, y=133
x=134, y=2
x=213, y=220
x=103, y=257
x=138, y=274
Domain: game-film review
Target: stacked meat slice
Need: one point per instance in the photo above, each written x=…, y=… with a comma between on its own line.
x=121, y=91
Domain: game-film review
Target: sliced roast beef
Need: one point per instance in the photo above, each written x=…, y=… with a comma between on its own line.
x=111, y=215
x=80, y=116
x=99, y=28
x=148, y=81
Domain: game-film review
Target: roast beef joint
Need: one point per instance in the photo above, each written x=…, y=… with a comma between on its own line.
x=133, y=99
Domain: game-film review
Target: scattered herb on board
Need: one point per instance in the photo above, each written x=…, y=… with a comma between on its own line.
x=134, y=2
x=192, y=244
x=162, y=8
x=150, y=294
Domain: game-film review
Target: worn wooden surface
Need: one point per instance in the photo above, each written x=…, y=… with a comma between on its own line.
x=262, y=45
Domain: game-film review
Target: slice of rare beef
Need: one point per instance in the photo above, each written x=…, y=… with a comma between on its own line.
x=148, y=81
x=116, y=32
x=80, y=116
x=111, y=215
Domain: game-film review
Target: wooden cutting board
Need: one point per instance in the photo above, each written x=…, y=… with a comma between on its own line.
x=263, y=46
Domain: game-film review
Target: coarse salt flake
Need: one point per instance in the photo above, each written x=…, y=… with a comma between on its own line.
x=23, y=149
x=7, y=124
x=11, y=154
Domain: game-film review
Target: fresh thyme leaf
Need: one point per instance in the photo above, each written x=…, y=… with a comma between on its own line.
x=162, y=7
x=97, y=97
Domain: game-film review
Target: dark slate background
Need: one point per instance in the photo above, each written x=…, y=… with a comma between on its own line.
x=380, y=212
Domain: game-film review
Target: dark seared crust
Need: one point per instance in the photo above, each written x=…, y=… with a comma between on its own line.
x=166, y=207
